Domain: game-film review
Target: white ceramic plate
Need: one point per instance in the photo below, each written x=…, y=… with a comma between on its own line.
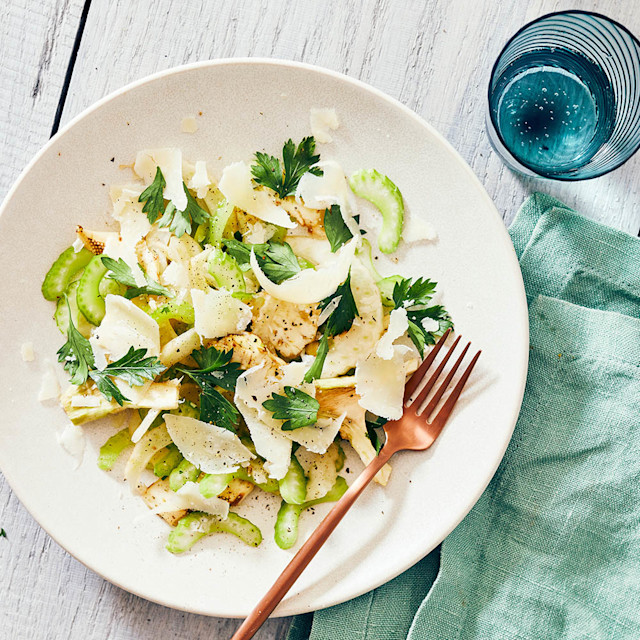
x=249, y=105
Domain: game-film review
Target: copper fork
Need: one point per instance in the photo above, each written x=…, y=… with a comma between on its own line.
x=412, y=431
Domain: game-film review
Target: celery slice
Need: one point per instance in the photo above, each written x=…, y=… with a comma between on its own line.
x=383, y=193
x=90, y=302
x=168, y=461
x=225, y=270
x=110, y=451
x=61, y=315
x=293, y=487
x=218, y=222
x=286, y=527
x=386, y=286
x=213, y=484
x=196, y=525
x=183, y=473
x=180, y=311
x=68, y=263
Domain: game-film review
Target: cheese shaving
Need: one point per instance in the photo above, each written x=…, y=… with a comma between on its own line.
x=310, y=285
x=170, y=162
x=218, y=313
x=189, y=125
x=200, y=180
x=26, y=351
x=124, y=326
x=152, y=414
x=398, y=325
x=237, y=187
x=380, y=383
x=210, y=448
x=322, y=121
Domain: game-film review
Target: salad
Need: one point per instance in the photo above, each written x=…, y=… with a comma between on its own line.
x=242, y=332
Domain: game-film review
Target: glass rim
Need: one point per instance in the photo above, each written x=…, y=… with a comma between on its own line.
x=537, y=173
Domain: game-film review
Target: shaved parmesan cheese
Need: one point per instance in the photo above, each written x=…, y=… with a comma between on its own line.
x=320, y=471
x=318, y=438
x=152, y=395
x=170, y=162
x=82, y=400
x=175, y=276
x=416, y=229
x=380, y=383
x=218, y=313
x=320, y=192
x=237, y=187
x=357, y=343
x=200, y=181
x=210, y=448
x=126, y=198
x=77, y=245
x=143, y=451
x=189, y=125
x=398, y=325
x=253, y=387
x=315, y=250
x=99, y=353
x=328, y=310
x=429, y=324
x=323, y=120
x=270, y=443
x=123, y=246
x=152, y=414
x=191, y=498
x=310, y=285
x=258, y=384
x=49, y=386
x=258, y=232
x=125, y=325
x=72, y=440
x=26, y=351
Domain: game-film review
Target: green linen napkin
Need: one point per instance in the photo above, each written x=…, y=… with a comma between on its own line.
x=552, y=549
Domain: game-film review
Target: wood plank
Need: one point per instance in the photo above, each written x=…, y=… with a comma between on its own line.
x=433, y=55
x=36, y=40
x=421, y=53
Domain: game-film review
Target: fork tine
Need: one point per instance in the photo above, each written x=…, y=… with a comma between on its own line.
x=444, y=413
x=434, y=377
x=433, y=403
x=416, y=378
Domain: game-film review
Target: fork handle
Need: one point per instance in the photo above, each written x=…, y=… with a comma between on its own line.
x=309, y=549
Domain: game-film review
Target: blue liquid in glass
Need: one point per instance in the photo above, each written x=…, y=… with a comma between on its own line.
x=554, y=110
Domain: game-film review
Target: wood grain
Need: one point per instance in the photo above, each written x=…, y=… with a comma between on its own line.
x=36, y=39
x=434, y=56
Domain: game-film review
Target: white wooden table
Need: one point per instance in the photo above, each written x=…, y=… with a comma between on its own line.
x=57, y=57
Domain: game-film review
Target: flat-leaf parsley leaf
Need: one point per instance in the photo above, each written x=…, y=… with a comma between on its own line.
x=153, y=197
x=76, y=354
x=134, y=368
x=297, y=408
x=276, y=259
x=335, y=227
x=296, y=162
x=414, y=296
x=340, y=320
x=180, y=222
x=121, y=272
x=215, y=370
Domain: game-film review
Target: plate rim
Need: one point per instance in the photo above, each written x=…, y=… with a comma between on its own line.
x=523, y=320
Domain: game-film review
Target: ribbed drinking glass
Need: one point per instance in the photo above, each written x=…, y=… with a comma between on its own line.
x=564, y=97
